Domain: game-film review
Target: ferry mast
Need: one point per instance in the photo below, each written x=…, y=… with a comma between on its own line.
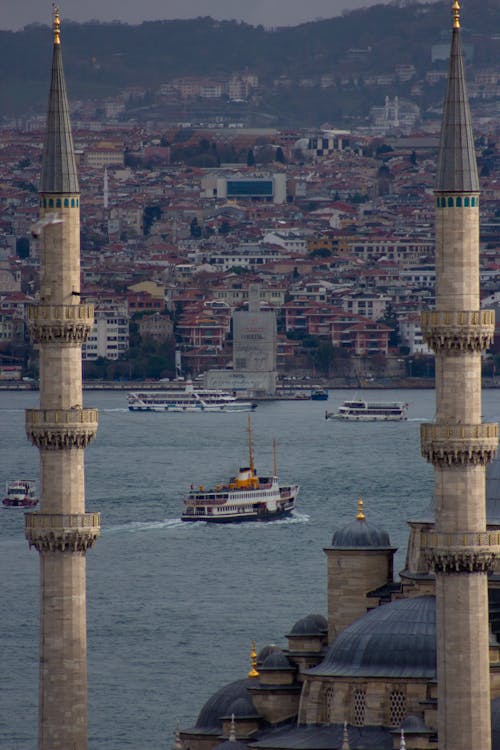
x=458, y=444
x=61, y=429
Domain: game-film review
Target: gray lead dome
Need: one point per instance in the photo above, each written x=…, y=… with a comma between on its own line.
x=392, y=640
x=359, y=533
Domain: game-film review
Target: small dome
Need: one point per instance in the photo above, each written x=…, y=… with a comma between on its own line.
x=359, y=533
x=310, y=625
x=241, y=708
x=392, y=640
x=231, y=699
x=264, y=653
x=277, y=661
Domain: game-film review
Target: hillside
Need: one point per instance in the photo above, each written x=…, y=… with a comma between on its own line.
x=101, y=59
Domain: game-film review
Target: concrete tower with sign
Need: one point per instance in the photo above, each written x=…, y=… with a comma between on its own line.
x=458, y=444
x=61, y=429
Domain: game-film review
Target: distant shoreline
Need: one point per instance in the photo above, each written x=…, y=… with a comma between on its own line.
x=332, y=384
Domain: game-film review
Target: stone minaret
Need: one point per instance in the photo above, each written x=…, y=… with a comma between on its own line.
x=61, y=429
x=458, y=444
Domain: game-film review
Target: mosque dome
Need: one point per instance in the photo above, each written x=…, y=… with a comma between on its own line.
x=310, y=625
x=359, y=533
x=264, y=653
x=231, y=699
x=396, y=640
x=277, y=661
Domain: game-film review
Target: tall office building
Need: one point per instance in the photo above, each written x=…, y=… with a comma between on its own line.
x=61, y=531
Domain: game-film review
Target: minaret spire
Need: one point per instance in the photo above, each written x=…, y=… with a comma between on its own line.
x=61, y=531
x=58, y=162
x=457, y=167
x=458, y=443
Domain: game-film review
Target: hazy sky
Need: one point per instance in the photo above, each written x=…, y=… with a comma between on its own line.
x=14, y=14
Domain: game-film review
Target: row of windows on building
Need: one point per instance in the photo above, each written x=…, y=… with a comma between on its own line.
x=396, y=708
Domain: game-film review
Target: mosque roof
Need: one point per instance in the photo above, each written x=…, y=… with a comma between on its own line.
x=314, y=737
x=457, y=167
x=265, y=651
x=392, y=640
x=359, y=533
x=231, y=699
x=59, y=173
x=313, y=624
x=277, y=661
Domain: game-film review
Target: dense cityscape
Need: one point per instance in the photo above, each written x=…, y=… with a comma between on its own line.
x=181, y=216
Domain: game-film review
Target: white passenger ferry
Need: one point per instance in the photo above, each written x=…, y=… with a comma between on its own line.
x=20, y=493
x=187, y=398
x=359, y=410
x=246, y=497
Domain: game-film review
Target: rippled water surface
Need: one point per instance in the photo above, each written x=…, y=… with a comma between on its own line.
x=173, y=607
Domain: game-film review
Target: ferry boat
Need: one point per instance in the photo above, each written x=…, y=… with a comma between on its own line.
x=187, y=398
x=246, y=497
x=20, y=493
x=359, y=410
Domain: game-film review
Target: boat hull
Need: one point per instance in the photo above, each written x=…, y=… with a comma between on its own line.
x=196, y=408
x=8, y=503
x=264, y=515
x=366, y=418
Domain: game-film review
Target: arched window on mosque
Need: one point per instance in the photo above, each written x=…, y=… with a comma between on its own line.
x=358, y=707
x=329, y=694
x=397, y=708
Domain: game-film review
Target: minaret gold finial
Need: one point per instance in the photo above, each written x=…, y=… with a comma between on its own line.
x=253, y=656
x=456, y=14
x=57, y=24
x=361, y=515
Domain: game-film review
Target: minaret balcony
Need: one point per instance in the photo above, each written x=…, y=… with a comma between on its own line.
x=67, y=324
x=458, y=444
x=471, y=552
x=59, y=429
x=458, y=330
x=62, y=532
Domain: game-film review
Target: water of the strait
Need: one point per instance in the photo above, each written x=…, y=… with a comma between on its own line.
x=172, y=608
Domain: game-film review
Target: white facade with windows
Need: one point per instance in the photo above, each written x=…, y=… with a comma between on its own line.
x=110, y=335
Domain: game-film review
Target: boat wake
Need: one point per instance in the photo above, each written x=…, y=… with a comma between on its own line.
x=136, y=526
x=294, y=518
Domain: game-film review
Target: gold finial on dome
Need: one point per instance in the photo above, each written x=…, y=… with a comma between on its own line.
x=57, y=24
x=456, y=14
x=253, y=656
x=361, y=515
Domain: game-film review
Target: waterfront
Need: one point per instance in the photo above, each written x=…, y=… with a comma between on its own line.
x=172, y=607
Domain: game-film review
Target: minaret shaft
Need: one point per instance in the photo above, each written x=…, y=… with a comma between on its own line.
x=60, y=270
x=61, y=429
x=63, y=644
x=458, y=443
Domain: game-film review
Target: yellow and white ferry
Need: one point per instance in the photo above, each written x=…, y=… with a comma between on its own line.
x=246, y=497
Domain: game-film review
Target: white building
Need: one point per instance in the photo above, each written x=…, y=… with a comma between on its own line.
x=110, y=336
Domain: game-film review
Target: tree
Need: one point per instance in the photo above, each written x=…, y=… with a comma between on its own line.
x=279, y=156
x=150, y=215
x=195, y=229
